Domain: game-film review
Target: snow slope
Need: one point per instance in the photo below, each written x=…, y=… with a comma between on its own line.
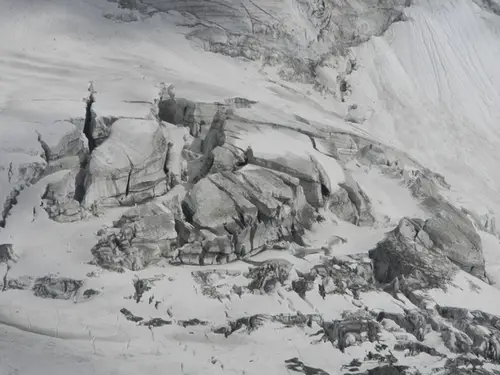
x=432, y=82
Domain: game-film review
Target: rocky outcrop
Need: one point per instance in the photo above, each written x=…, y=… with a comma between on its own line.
x=463, y=331
x=56, y=287
x=454, y=234
x=254, y=322
x=449, y=229
x=408, y=252
x=471, y=331
x=142, y=236
x=128, y=168
x=449, y=233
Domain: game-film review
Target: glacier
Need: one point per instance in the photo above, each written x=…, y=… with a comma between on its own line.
x=249, y=187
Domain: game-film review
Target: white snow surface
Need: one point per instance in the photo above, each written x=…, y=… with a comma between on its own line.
x=433, y=83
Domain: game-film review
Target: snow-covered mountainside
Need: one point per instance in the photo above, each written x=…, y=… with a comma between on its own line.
x=249, y=187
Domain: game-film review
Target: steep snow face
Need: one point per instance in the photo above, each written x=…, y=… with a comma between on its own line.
x=433, y=81
x=291, y=221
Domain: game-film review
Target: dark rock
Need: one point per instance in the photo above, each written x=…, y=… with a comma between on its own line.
x=296, y=365
x=90, y=293
x=141, y=286
x=56, y=288
x=390, y=370
x=129, y=316
x=466, y=364
x=268, y=276
x=343, y=274
x=192, y=322
x=144, y=235
x=303, y=285
x=471, y=331
x=407, y=252
x=344, y=333
x=416, y=348
x=413, y=321
x=155, y=322
x=255, y=321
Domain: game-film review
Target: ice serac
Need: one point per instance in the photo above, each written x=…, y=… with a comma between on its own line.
x=319, y=175
x=233, y=214
x=257, y=29
x=7, y=253
x=215, y=136
x=128, y=167
x=351, y=204
x=141, y=237
x=178, y=111
x=64, y=145
x=20, y=173
x=62, y=198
